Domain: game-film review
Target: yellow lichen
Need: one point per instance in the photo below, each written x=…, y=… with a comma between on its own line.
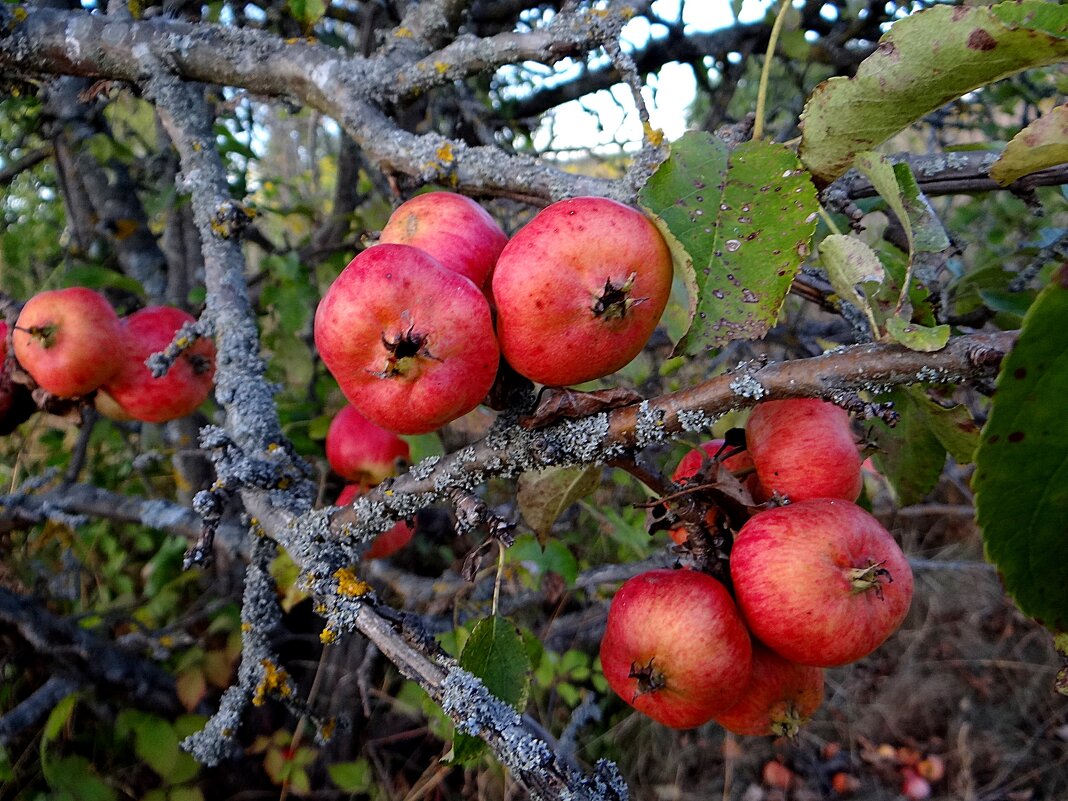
x=349, y=584
x=274, y=681
x=327, y=636
x=445, y=154
x=654, y=136
x=326, y=731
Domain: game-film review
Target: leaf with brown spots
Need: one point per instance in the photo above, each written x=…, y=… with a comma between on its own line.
x=1043, y=143
x=926, y=60
x=1021, y=477
x=745, y=218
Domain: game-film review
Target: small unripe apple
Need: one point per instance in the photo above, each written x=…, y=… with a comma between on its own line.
x=675, y=647
x=579, y=290
x=804, y=448
x=781, y=697
x=410, y=343
x=452, y=228
x=820, y=582
x=175, y=394
x=388, y=542
x=67, y=339
x=360, y=451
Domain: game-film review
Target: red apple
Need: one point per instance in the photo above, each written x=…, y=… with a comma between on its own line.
x=452, y=228
x=67, y=339
x=176, y=394
x=360, y=451
x=388, y=542
x=16, y=403
x=804, y=448
x=781, y=696
x=675, y=647
x=820, y=582
x=692, y=462
x=733, y=459
x=410, y=343
x=579, y=289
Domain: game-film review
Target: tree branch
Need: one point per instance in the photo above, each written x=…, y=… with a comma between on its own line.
x=80, y=652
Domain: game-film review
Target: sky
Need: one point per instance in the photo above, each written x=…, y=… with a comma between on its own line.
x=668, y=94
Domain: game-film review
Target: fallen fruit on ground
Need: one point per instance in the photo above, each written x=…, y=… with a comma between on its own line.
x=410, y=343
x=579, y=290
x=820, y=582
x=675, y=647
x=66, y=339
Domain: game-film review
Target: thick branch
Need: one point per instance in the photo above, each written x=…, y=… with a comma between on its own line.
x=509, y=450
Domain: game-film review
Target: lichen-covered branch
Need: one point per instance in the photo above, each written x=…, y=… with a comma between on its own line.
x=509, y=449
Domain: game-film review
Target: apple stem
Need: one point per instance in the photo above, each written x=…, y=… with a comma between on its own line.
x=615, y=301
x=871, y=577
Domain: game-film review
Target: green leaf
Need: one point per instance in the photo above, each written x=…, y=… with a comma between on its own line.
x=553, y=557
x=545, y=494
x=917, y=337
x=849, y=262
x=896, y=184
x=75, y=777
x=96, y=277
x=1021, y=478
x=912, y=454
x=353, y=777
x=57, y=719
x=156, y=742
x=745, y=217
x=496, y=654
x=1043, y=143
x=307, y=12
x=923, y=62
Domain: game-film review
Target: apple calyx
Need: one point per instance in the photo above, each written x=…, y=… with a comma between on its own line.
x=200, y=363
x=615, y=301
x=404, y=353
x=871, y=577
x=45, y=333
x=649, y=678
x=789, y=724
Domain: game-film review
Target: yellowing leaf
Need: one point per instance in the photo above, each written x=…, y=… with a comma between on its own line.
x=1042, y=144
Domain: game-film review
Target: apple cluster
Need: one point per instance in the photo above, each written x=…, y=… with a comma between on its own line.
x=414, y=328
x=814, y=582
x=72, y=344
